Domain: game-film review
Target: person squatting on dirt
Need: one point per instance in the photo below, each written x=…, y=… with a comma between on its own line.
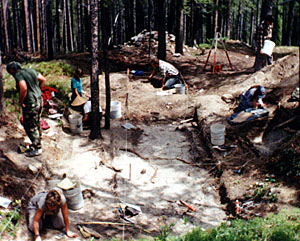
x=170, y=74
x=48, y=209
x=29, y=84
x=76, y=84
x=263, y=32
x=252, y=98
x=85, y=107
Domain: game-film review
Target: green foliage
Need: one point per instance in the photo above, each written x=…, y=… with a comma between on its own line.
x=262, y=192
x=10, y=221
x=289, y=163
x=54, y=71
x=53, y=67
x=282, y=226
x=164, y=232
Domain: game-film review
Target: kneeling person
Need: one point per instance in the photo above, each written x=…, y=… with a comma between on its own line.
x=170, y=74
x=87, y=113
x=48, y=209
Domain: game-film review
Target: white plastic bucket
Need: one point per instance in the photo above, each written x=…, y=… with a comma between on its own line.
x=180, y=88
x=75, y=121
x=115, y=110
x=217, y=134
x=74, y=197
x=268, y=47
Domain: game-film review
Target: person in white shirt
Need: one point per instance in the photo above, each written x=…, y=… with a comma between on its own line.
x=87, y=110
x=170, y=74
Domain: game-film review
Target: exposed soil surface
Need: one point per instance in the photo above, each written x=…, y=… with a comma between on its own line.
x=168, y=157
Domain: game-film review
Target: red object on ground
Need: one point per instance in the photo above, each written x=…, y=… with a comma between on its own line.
x=46, y=93
x=44, y=123
x=187, y=205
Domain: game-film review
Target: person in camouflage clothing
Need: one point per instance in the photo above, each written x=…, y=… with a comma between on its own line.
x=263, y=32
x=29, y=84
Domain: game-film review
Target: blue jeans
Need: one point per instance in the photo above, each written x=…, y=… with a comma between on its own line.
x=171, y=82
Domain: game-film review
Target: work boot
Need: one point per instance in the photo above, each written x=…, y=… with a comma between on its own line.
x=35, y=152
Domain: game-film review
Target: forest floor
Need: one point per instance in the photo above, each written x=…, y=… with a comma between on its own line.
x=168, y=156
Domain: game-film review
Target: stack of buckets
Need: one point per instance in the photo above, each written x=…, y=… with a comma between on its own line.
x=217, y=134
x=75, y=121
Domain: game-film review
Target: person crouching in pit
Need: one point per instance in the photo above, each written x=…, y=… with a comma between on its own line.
x=48, y=209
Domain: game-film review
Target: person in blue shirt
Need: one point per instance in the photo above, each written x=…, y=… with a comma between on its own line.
x=76, y=84
x=252, y=98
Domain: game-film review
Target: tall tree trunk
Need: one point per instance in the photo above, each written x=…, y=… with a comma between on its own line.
x=87, y=24
x=44, y=41
x=251, y=27
x=105, y=31
x=201, y=20
x=161, y=18
x=290, y=23
x=69, y=24
x=150, y=22
x=57, y=25
x=239, y=20
x=32, y=29
x=49, y=28
x=266, y=8
x=277, y=28
x=27, y=24
x=1, y=83
x=216, y=17
x=95, y=130
x=257, y=12
x=4, y=11
x=16, y=34
x=245, y=27
x=121, y=22
x=37, y=16
x=65, y=14
x=228, y=18
x=171, y=16
x=179, y=27
x=62, y=26
x=78, y=25
x=134, y=17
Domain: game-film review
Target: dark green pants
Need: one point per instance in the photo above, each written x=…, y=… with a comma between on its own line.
x=31, y=121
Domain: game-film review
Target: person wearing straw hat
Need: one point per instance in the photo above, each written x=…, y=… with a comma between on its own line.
x=29, y=84
x=263, y=32
x=85, y=107
x=48, y=209
x=76, y=84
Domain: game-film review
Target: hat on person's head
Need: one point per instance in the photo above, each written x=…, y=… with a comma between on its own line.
x=13, y=66
x=262, y=92
x=78, y=101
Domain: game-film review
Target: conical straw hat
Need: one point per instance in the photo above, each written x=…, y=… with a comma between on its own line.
x=78, y=101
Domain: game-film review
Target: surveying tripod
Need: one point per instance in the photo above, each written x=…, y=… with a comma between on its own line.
x=215, y=43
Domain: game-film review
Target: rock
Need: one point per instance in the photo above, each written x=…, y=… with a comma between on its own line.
x=35, y=168
x=228, y=98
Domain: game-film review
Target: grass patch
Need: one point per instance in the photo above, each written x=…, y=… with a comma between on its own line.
x=284, y=226
x=57, y=73
x=9, y=221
